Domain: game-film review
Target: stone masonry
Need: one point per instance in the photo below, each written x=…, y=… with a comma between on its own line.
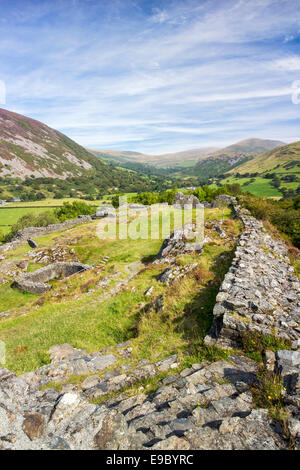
x=260, y=292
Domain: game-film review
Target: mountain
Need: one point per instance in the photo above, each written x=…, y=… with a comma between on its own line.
x=249, y=147
x=164, y=160
x=230, y=157
x=279, y=159
x=29, y=147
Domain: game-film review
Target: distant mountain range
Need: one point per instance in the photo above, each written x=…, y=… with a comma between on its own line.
x=31, y=148
x=188, y=158
x=230, y=157
x=164, y=160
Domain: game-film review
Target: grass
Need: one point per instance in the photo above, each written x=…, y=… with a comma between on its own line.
x=267, y=392
x=68, y=313
x=12, y=298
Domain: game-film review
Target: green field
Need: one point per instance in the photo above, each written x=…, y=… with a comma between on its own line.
x=11, y=213
x=260, y=187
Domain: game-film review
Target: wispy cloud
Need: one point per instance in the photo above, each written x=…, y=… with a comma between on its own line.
x=153, y=76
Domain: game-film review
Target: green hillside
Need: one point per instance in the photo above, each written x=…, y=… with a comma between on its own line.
x=282, y=160
x=275, y=173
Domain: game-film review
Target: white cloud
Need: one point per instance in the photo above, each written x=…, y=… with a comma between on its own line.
x=288, y=64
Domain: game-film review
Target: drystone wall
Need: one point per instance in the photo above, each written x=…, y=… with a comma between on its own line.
x=36, y=282
x=30, y=232
x=260, y=292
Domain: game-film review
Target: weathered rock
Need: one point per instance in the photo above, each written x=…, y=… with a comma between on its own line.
x=184, y=201
x=33, y=425
x=113, y=433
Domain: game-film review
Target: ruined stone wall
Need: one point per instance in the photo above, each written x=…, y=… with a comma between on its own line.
x=31, y=232
x=260, y=292
x=35, y=282
x=39, y=231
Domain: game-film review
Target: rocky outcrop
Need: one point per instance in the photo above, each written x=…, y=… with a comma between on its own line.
x=181, y=200
x=179, y=242
x=36, y=282
x=260, y=292
x=223, y=200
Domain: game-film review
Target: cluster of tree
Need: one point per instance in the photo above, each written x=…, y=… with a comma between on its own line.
x=149, y=198
x=208, y=193
x=73, y=210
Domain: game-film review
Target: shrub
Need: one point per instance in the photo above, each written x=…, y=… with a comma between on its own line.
x=73, y=210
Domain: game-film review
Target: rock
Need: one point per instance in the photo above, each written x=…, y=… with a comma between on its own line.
x=184, y=201
x=33, y=425
x=172, y=443
x=32, y=243
x=90, y=382
x=269, y=360
x=36, y=281
x=149, y=291
x=288, y=358
x=102, y=362
x=294, y=427
x=113, y=433
x=64, y=351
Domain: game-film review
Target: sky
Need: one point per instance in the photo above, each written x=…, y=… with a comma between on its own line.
x=154, y=76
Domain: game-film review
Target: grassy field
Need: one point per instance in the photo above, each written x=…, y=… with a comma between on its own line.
x=260, y=187
x=9, y=216
x=11, y=213
x=78, y=311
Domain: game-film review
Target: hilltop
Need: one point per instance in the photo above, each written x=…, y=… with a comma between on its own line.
x=250, y=147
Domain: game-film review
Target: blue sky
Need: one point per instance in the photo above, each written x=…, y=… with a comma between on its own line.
x=154, y=76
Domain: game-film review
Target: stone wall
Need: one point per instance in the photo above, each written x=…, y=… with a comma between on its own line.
x=40, y=231
x=260, y=292
x=31, y=232
x=36, y=282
